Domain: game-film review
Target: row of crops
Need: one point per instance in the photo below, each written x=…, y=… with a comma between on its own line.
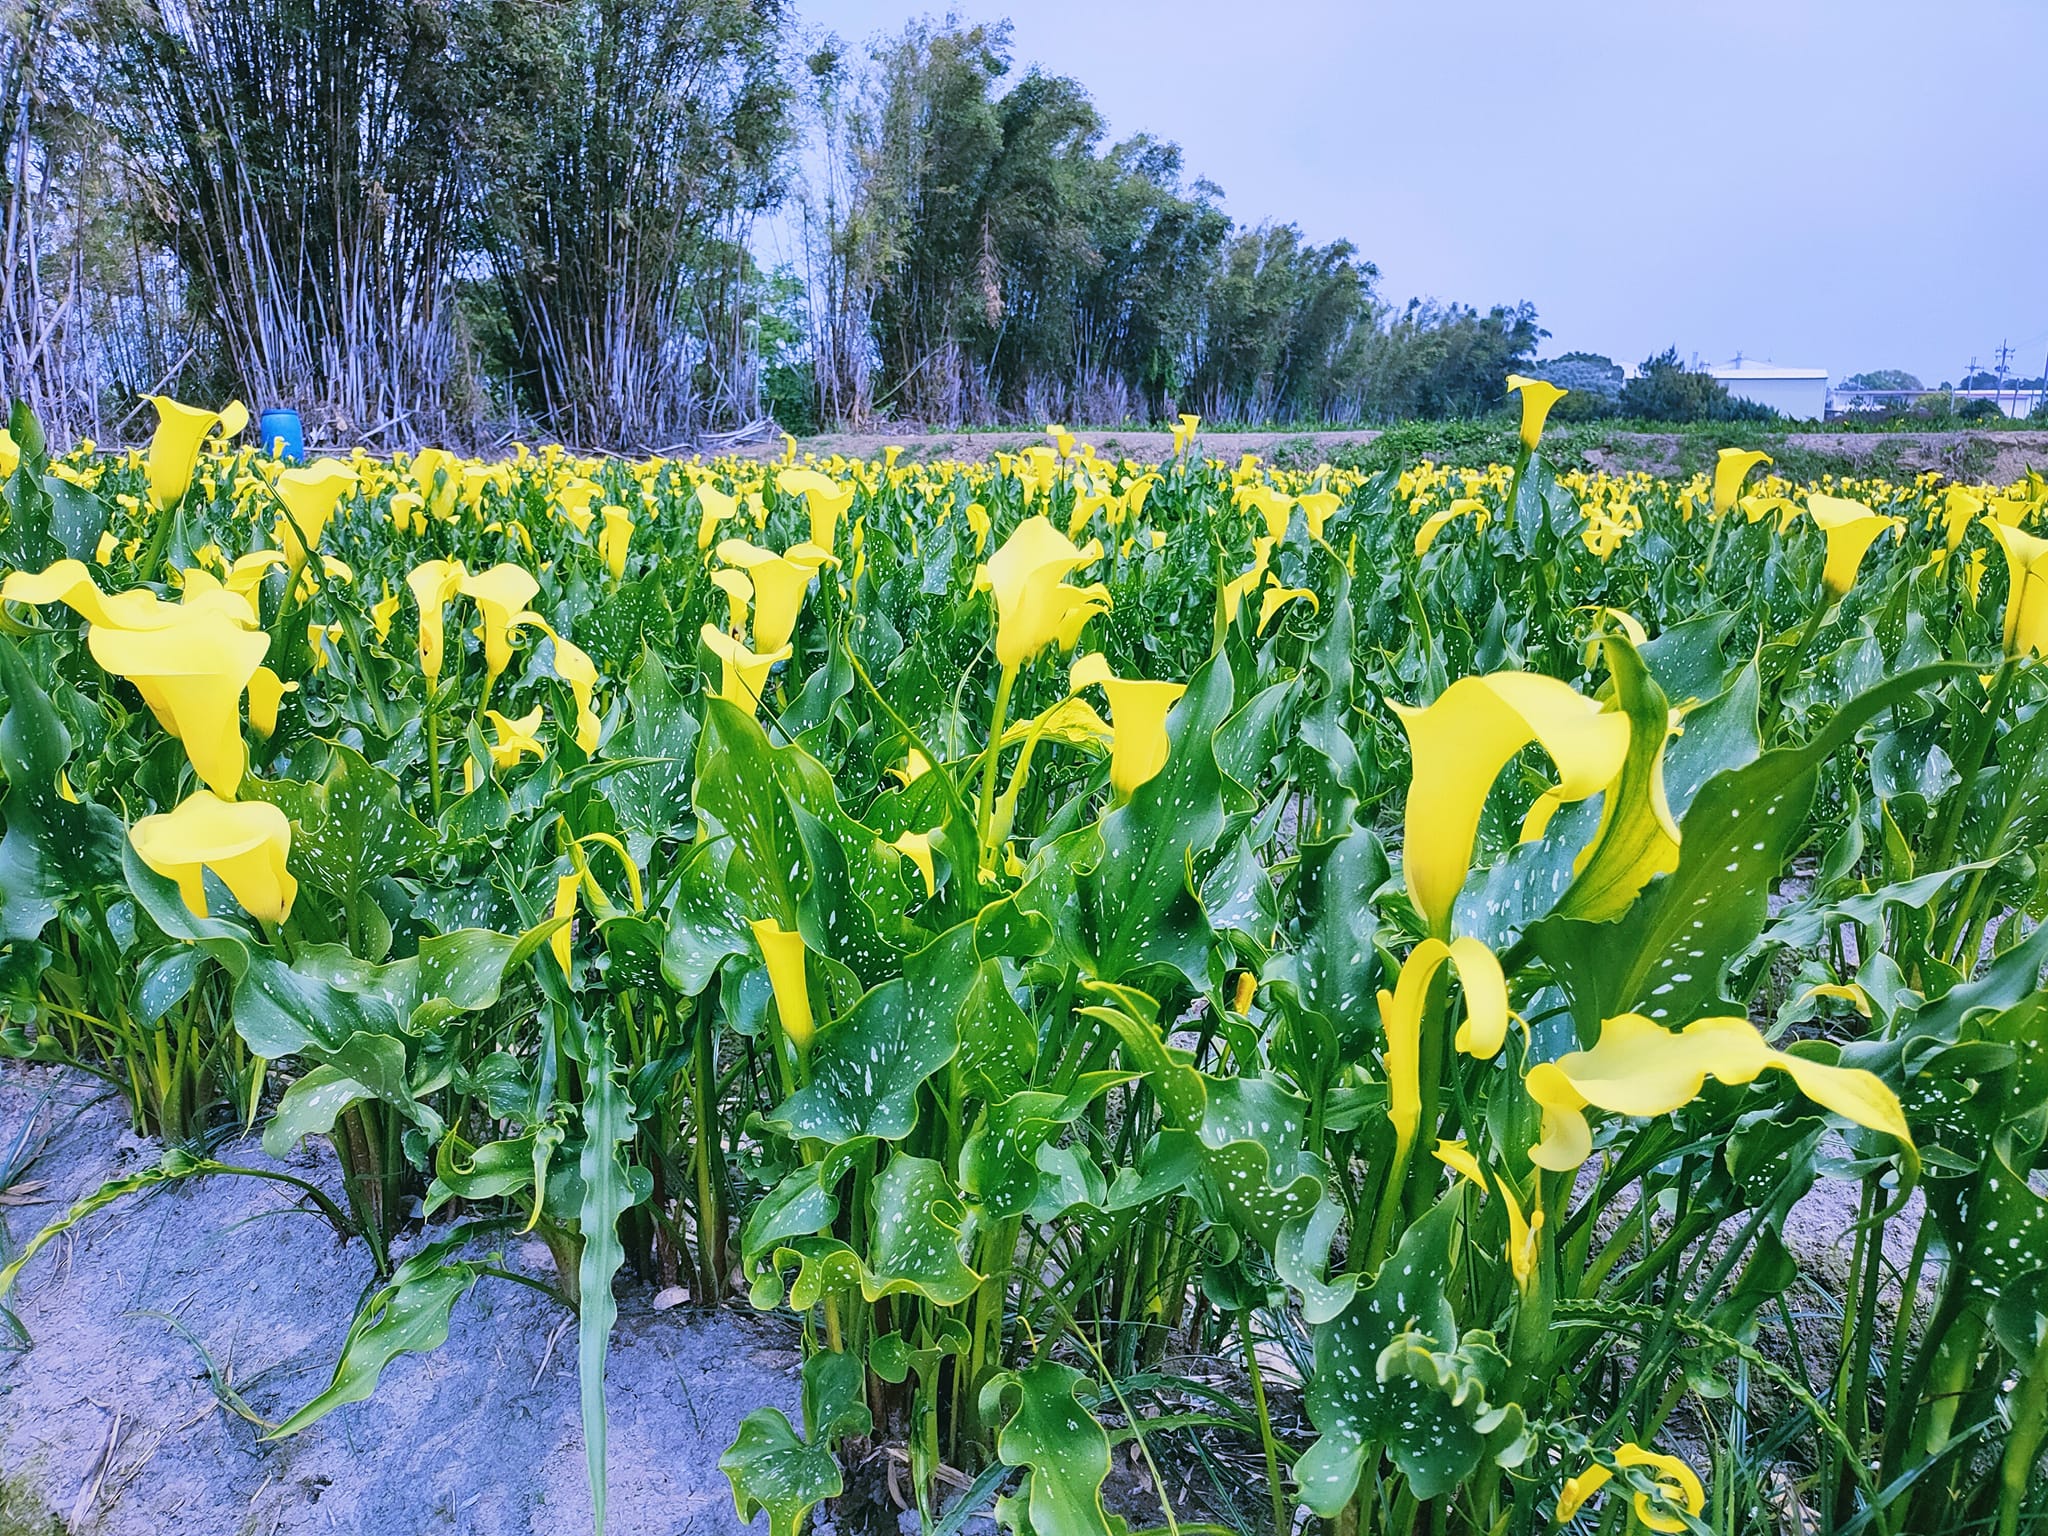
x=1358, y=972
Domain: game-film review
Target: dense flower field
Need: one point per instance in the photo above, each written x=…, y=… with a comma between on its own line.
x=1410, y=940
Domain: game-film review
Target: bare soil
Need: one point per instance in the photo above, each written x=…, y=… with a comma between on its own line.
x=114, y=1420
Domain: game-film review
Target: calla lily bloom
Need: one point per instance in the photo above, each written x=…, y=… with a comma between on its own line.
x=2026, y=604
x=1459, y=745
x=1238, y=588
x=1438, y=520
x=1276, y=597
x=514, y=739
x=1275, y=507
x=70, y=582
x=917, y=847
x=1522, y=1230
x=1731, y=466
x=1851, y=528
x=1481, y=1035
x=1678, y=1487
x=434, y=584
x=780, y=584
x=1538, y=396
x=310, y=495
x=573, y=666
x=244, y=842
x=437, y=475
x=1184, y=433
x=191, y=675
x=739, y=594
x=826, y=498
x=1961, y=506
x=1316, y=508
x=501, y=595
x=615, y=539
x=784, y=953
x=181, y=431
x=1138, y=710
x=382, y=612
x=561, y=942
x=744, y=674
x=266, y=693
x=1641, y=1069
x=1034, y=605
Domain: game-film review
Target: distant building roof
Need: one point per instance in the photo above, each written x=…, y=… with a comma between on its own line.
x=1750, y=368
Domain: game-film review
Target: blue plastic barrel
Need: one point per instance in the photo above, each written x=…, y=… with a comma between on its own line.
x=283, y=434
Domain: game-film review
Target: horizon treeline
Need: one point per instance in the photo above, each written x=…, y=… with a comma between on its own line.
x=465, y=220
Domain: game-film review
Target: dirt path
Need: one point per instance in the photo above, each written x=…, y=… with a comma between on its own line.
x=111, y=1421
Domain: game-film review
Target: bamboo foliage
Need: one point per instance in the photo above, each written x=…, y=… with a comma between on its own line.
x=302, y=158
x=617, y=233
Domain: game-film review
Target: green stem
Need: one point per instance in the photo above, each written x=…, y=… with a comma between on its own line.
x=1251, y=1365
x=986, y=810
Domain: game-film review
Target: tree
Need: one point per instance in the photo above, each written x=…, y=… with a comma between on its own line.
x=304, y=162
x=615, y=217
x=1664, y=389
x=1882, y=378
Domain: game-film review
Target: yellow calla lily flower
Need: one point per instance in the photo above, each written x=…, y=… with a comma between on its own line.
x=191, y=674
x=382, y=612
x=244, y=842
x=744, y=674
x=1034, y=605
x=1459, y=745
x=514, y=739
x=1678, y=1487
x=2026, y=603
x=566, y=887
x=917, y=847
x=1641, y=1069
x=1438, y=520
x=739, y=594
x=310, y=495
x=572, y=664
x=1184, y=434
x=501, y=595
x=1275, y=597
x=181, y=432
x=1523, y=1252
x=1851, y=528
x=70, y=582
x=1731, y=466
x=1138, y=710
x=826, y=498
x=780, y=585
x=434, y=584
x=438, y=477
x=1481, y=1035
x=1316, y=508
x=615, y=540
x=1238, y=588
x=1538, y=396
x=783, y=952
x=266, y=693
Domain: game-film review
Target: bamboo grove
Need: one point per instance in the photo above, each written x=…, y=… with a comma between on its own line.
x=1412, y=943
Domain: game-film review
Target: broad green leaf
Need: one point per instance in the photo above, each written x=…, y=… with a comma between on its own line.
x=917, y=1220
x=1059, y=1442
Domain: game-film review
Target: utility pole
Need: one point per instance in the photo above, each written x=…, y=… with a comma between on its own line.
x=2004, y=356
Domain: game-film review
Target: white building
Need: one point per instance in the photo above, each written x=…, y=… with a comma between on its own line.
x=1798, y=394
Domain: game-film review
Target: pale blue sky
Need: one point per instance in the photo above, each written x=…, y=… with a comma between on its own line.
x=1846, y=184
